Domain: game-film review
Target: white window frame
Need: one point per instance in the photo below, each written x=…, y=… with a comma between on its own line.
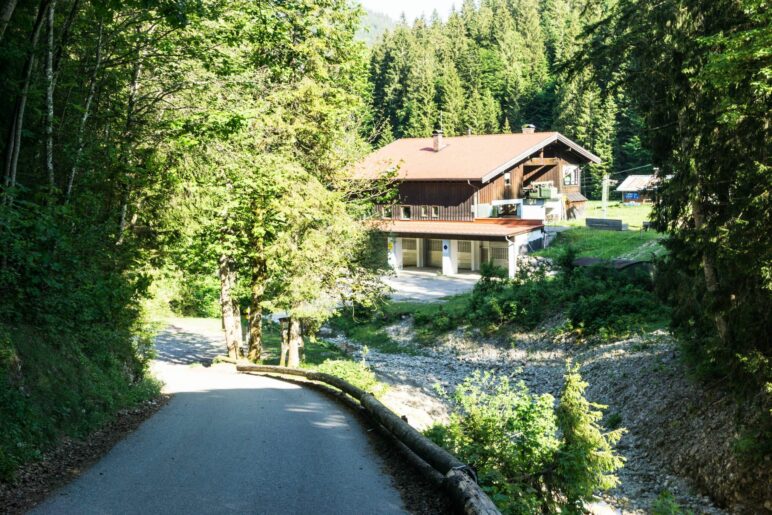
x=408, y=210
x=571, y=175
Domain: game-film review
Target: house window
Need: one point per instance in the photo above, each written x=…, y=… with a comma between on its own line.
x=500, y=253
x=423, y=212
x=507, y=179
x=435, y=211
x=406, y=213
x=386, y=211
x=571, y=175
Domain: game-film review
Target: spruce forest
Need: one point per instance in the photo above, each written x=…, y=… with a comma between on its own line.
x=496, y=65
x=193, y=158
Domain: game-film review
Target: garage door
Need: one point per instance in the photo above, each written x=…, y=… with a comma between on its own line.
x=409, y=252
x=465, y=255
x=499, y=255
x=434, y=253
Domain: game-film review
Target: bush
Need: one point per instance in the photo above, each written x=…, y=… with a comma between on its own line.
x=600, y=300
x=529, y=457
x=65, y=385
x=355, y=373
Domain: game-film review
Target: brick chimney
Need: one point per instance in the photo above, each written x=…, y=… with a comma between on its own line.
x=437, y=137
x=529, y=128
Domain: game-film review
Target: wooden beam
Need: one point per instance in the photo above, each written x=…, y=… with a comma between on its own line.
x=542, y=161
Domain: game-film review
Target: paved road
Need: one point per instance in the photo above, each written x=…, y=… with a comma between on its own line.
x=427, y=285
x=229, y=443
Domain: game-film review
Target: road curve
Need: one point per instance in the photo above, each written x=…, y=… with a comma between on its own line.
x=230, y=443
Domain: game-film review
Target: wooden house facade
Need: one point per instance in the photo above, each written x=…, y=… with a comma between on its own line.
x=476, y=194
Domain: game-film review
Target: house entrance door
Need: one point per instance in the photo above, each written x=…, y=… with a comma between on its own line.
x=434, y=253
x=464, y=255
x=409, y=252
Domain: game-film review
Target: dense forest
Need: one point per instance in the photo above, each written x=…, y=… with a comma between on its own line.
x=496, y=65
x=144, y=141
x=200, y=149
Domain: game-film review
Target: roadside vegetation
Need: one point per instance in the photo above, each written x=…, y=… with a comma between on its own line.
x=322, y=356
x=531, y=454
x=593, y=302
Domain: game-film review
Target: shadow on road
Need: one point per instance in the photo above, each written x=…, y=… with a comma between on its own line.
x=178, y=346
x=289, y=450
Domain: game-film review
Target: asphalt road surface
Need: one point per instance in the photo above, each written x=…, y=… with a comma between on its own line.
x=230, y=443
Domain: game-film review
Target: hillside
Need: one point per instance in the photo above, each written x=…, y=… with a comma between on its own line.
x=374, y=25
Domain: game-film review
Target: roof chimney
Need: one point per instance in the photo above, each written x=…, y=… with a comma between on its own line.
x=529, y=128
x=437, y=136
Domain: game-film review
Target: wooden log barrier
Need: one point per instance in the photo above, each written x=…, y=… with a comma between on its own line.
x=460, y=483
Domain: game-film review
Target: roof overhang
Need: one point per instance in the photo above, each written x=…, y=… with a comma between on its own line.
x=527, y=153
x=485, y=229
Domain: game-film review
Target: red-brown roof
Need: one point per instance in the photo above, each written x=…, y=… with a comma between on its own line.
x=480, y=228
x=478, y=158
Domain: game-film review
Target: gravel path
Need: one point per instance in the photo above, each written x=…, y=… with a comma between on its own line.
x=231, y=443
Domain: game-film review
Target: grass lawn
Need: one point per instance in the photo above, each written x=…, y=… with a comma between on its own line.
x=606, y=244
x=630, y=244
x=633, y=216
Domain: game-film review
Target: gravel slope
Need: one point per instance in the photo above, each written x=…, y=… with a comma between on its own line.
x=639, y=379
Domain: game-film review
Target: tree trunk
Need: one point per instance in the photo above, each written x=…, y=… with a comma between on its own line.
x=5, y=16
x=256, y=311
x=64, y=32
x=294, y=341
x=284, y=323
x=50, y=100
x=84, y=118
x=302, y=343
x=710, y=271
x=229, y=320
x=14, y=138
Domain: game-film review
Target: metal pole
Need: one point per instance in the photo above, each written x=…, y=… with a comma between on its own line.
x=605, y=194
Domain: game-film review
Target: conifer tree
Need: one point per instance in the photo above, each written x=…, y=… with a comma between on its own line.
x=450, y=99
x=586, y=460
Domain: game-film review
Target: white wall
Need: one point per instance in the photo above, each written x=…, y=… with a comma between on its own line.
x=395, y=253
x=449, y=257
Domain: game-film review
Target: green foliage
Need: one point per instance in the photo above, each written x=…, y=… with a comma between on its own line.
x=326, y=357
x=67, y=385
x=495, y=66
x=666, y=504
x=710, y=60
x=606, y=244
x=597, y=301
x=429, y=320
x=586, y=461
x=199, y=296
x=356, y=373
x=612, y=303
x=529, y=456
x=524, y=301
